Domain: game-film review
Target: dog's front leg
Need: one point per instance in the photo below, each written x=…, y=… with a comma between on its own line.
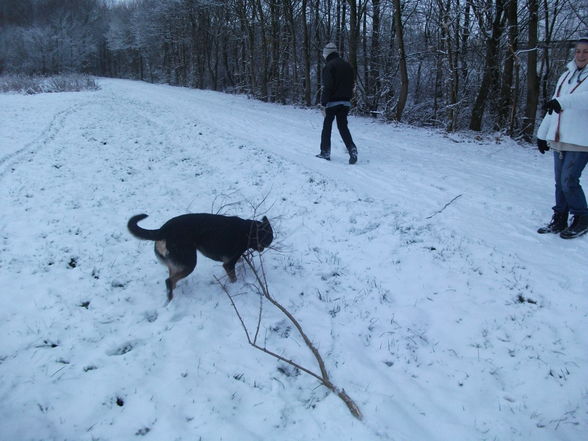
x=170, y=289
x=230, y=269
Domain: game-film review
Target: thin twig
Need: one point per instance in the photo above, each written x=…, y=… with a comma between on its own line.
x=259, y=317
x=235, y=308
x=223, y=206
x=256, y=207
x=290, y=362
x=446, y=205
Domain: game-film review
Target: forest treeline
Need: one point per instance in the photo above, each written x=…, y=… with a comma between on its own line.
x=457, y=64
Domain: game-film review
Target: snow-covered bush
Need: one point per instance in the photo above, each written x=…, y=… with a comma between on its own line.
x=32, y=84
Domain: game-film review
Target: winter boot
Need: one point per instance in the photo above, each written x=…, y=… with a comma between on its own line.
x=559, y=222
x=579, y=227
x=324, y=155
x=353, y=155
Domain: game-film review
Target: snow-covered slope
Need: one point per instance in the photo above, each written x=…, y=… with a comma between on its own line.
x=417, y=273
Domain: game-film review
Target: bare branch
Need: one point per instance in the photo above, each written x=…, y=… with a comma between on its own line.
x=353, y=408
x=259, y=317
x=223, y=286
x=263, y=290
x=287, y=313
x=253, y=342
x=445, y=206
x=259, y=204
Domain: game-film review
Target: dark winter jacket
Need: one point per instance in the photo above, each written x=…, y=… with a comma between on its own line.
x=338, y=80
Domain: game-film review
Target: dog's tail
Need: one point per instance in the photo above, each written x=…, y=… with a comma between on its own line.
x=142, y=233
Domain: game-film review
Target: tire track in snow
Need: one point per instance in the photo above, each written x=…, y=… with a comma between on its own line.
x=8, y=162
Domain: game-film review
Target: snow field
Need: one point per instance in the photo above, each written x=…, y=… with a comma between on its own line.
x=455, y=323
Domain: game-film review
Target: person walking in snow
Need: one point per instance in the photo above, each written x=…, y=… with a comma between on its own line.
x=338, y=80
x=564, y=130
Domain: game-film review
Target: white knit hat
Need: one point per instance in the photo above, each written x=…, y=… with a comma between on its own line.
x=329, y=49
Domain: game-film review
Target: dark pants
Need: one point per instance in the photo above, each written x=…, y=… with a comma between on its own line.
x=339, y=112
x=569, y=196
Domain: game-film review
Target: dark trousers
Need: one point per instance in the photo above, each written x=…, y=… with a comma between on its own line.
x=340, y=113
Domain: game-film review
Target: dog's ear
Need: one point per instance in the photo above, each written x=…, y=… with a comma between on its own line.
x=266, y=233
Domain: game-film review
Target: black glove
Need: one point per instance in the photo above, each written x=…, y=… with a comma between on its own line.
x=552, y=106
x=542, y=145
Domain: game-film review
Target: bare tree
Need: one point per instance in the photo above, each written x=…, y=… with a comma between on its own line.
x=427, y=61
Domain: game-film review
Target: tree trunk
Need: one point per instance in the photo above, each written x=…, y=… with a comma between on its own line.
x=373, y=84
x=450, y=39
x=403, y=94
x=491, y=66
x=354, y=31
x=532, y=78
x=265, y=93
x=318, y=51
x=290, y=69
x=505, y=113
x=306, y=54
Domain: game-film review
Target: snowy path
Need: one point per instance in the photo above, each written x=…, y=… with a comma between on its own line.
x=466, y=325
x=417, y=170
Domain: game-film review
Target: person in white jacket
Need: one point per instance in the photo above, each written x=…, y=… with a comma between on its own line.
x=565, y=130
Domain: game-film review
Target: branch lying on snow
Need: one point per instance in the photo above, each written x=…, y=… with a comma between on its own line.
x=445, y=206
x=264, y=292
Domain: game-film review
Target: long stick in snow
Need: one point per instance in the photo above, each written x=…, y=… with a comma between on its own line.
x=323, y=377
x=445, y=206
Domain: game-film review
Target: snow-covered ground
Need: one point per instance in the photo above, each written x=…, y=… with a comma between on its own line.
x=442, y=322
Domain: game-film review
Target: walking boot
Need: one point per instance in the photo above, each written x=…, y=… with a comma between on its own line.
x=578, y=228
x=559, y=222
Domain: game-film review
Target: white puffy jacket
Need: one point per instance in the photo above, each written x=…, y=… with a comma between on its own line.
x=570, y=126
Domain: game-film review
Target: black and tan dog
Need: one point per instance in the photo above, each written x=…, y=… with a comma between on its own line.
x=220, y=238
